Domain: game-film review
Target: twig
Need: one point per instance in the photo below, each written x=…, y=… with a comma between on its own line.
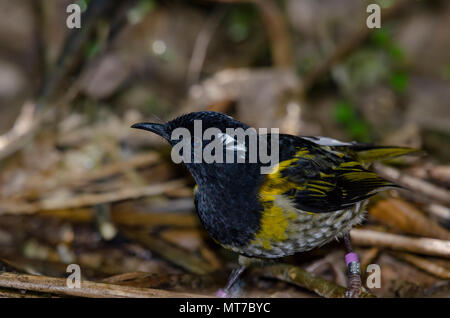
x=134, y=162
x=368, y=257
x=70, y=52
x=7, y=293
x=441, y=212
x=24, y=126
x=302, y=278
x=417, y=185
x=425, y=246
x=437, y=211
x=130, y=218
x=40, y=17
x=277, y=32
x=201, y=45
x=100, y=173
x=87, y=289
x=438, y=174
x=33, y=266
x=405, y=217
x=176, y=255
x=14, y=140
x=425, y=265
x=169, y=281
x=125, y=278
x=88, y=199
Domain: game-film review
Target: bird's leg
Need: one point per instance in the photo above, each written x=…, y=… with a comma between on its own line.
x=234, y=276
x=244, y=262
x=354, y=285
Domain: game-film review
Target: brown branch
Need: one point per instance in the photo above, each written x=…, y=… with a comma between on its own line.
x=438, y=211
x=425, y=246
x=127, y=216
x=201, y=46
x=403, y=216
x=131, y=218
x=300, y=277
x=419, y=186
x=24, y=126
x=7, y=207
x=114, y=168
x=104, y=172
x=425, y=265
x=87, y=289
x=7, y=293
x=438, y=174
x=169, y=281
x=368, y=257
x=15, y=139
x=174, y=254
x=277, y=32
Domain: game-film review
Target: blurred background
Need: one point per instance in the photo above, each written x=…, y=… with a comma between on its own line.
x=77, y=185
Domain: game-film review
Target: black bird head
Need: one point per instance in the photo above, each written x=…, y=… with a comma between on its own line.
x=208, y=119
x=196, y=124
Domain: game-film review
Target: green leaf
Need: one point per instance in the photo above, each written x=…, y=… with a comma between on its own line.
x=381, y=38
x=92, y=48
x=399, y=81
x=240, y=22
x=397, y=53
x=344, y=112
x=359, y=130
x=140, y=10
x=446, y=71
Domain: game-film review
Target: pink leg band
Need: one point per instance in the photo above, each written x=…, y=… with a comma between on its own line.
x=221, y=294
x=351, y=257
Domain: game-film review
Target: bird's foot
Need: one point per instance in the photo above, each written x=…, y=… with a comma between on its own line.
x=354, y=286
x=221, y=293
x=234, y=277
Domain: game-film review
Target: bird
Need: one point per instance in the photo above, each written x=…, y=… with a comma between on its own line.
x=314, y=193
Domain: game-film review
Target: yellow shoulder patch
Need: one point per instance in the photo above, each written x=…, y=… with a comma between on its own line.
x=274, y=224
x=275, y=219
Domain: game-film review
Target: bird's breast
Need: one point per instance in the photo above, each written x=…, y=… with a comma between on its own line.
x=285, y=230
x=230, y=216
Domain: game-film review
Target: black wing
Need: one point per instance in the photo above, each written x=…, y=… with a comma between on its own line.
x=319, y=178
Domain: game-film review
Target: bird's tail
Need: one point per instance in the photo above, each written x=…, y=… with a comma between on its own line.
x=370, y=154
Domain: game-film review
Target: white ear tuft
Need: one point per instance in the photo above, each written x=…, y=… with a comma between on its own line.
x=232, y=144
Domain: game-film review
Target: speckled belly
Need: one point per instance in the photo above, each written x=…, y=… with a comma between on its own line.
x=304, y=231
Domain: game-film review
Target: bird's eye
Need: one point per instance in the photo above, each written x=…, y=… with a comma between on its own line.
x=196, y=142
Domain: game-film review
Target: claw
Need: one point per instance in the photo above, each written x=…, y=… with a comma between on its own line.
x=354, y=286
x=222, y=294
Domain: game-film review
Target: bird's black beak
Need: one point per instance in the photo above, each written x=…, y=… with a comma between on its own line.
x=159, y=129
